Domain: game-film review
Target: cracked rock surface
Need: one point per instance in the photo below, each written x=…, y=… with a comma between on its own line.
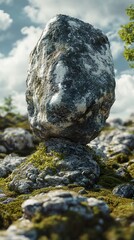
x=70, y=83
x=75, y=165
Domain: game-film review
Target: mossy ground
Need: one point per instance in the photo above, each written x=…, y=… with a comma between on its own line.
x=69, y=224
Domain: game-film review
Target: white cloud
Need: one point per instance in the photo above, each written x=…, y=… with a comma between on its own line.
x=13, y=68
x=1, y=55
x=124, y=104
x=5, y=1
x=5, y=20
x=95, y=12
x=116, y=48
x=117, y=45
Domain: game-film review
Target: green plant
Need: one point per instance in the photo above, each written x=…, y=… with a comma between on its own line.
x=8, y=106
x=126, y=33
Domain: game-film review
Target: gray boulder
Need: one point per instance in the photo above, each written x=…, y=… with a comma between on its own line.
x=17, y=140
x=70, y=83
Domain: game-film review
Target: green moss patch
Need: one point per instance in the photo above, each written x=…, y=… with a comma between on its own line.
x=131, y=170
x=4, y=187
x=42, y=160
x=10, y=212
x=70, y=225
x=108, y=177
x=119, y=207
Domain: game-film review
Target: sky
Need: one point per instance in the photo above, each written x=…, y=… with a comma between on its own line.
x=21, y=24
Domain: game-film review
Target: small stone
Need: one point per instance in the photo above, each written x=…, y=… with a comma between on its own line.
x=114, y=142
x=8, y=200
x=17, y=140
x=124, y=190
x=70, y=83
x=82, y=191
x=9, y=163
x=2, y=195
x=2, y=149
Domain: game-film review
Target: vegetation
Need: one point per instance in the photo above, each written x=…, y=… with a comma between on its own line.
x=42, y=160
x=60, y=226
x=9, y=117
x=126, y=33
x=8, y=106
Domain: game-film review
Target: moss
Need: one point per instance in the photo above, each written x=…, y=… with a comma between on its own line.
x=23, y=124
x=10, y=212
x=120, y=233
x=131, y=170
x=108, y=128
x=70, y=225
x=14, y=120
x=108, y=176
x=119, y=207
x=108, y=181
x=42, y=160
x=73, y=226
x=2, y=155
x=4, y=182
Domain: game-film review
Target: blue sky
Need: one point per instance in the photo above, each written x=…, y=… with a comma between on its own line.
x=21, y=24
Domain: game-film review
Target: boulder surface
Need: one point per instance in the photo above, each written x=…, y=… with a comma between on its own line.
x=70, y=83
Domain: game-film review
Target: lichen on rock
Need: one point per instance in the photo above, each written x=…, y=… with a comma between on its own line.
x=58, y=162
x=70, y=83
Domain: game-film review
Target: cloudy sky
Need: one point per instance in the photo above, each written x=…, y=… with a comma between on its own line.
x=21, y=24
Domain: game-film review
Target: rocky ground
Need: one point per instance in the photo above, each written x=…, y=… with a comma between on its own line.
x=60, y=190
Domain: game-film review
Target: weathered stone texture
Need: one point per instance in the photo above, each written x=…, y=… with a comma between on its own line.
x=70, y=84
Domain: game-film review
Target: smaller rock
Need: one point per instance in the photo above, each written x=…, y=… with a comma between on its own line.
x=116, y=123
x=122, y=172
x=82, y=191
x=124, y=190
x=9, y=163
x=8, y=200
x=75, y=164
x=114, y=142
x=2, y=195
x=2, y=149
x=17, y=140
x=57, y=202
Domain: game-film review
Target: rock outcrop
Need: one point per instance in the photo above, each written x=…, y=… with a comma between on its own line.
x=94, y=188
x=59, y=163
x=63, y=214
x=70, y=84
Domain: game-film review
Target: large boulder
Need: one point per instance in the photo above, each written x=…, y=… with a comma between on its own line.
x=70, y=83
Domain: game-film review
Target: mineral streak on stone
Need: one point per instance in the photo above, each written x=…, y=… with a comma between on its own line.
x=70, y=84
